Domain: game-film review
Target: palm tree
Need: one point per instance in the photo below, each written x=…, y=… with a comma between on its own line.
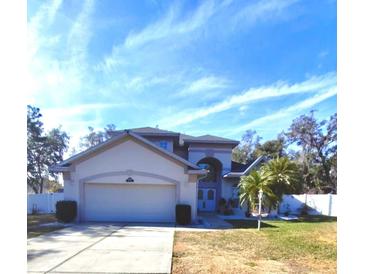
x=250, y=186
x=282, y=176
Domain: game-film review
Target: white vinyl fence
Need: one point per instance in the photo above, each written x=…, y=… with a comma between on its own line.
x=319, y=204
x=43, y=203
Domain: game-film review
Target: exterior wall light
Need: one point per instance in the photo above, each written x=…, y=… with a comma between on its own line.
x=129, y=180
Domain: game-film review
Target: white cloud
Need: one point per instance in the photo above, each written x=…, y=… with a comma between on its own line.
x=281, y=88
x=323, y=54
x=287, y=111
x=168, y=26
x=44, y=17
x=73, y=118
x=55, y=79
x=204, y=84
x=80, y=34
x=173, y=25
x=41, y=72
x=78, y=109
x=261, y=11
x=65, y=78
x=142, y=82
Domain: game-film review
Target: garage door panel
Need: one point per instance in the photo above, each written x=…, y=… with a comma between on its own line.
x=111, y=202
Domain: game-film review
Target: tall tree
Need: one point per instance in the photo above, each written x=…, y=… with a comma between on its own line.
x=34, y=144
x=272, y=148
x=108, y=131
x=250, y=186
x=244, y=152
x=282, y=175
x=43, y=149
x=318, y=141
x=94, y=137
x=277, y=177
x=52, y=185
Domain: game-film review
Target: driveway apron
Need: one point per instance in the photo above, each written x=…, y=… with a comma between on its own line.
x=103, y=248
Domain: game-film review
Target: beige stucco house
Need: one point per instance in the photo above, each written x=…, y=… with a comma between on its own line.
x=141, y=174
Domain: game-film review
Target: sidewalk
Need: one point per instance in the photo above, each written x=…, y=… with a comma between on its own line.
x=211, y=220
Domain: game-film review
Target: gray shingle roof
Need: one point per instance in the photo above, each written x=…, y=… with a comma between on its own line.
x=186, y=138
x=238, y=169
x=154, y=130
x=210, y=138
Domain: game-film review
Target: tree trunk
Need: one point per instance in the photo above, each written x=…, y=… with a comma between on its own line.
x=326, y=169
x=35, y=189
x=40, y=179
x=41, y=186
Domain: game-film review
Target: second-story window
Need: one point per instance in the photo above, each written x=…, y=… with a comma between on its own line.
x=163, y=144
x=211, y=177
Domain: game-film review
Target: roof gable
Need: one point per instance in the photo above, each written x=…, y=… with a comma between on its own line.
x=239, y=169
x=111, y=142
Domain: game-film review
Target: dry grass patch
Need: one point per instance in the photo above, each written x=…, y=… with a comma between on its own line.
x=299, y=247
x=221, y=252
x=35, y=221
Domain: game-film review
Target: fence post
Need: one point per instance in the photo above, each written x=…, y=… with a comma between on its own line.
x=48, y=202
x=51, y=204
x=305, y=199
x=330, y=205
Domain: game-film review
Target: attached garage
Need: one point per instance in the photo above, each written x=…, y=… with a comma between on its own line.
x=126, y=202
x=129, y=179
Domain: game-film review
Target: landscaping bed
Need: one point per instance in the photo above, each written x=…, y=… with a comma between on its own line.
x=306, y=245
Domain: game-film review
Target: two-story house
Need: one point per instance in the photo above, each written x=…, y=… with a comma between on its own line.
x=141, y=174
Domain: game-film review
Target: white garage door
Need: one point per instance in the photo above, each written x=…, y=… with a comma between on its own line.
x=139, y=203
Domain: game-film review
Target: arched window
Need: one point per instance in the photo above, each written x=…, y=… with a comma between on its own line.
x=200, y=194
x=210, y=194
x=212, y=173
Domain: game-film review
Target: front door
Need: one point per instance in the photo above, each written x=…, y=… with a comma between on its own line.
x=206, y=199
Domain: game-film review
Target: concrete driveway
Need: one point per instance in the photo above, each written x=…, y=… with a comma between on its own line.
x=103, y=248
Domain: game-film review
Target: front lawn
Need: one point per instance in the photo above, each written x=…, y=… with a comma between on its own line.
x=307, y=245
x=35, y=220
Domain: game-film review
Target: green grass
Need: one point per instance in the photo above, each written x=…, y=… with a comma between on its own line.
x=307, y=245
x=35, y=220
x=309, y=236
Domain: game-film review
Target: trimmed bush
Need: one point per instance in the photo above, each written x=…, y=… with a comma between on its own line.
x=304, y=210
x=66, y=211
x=222, y=205
x=228, y=211
x=183, y=214
x=222, y=202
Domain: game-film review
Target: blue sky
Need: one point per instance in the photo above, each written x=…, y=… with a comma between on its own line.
x=198, y=67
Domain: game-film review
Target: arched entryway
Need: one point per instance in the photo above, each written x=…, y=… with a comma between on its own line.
x=209, y=187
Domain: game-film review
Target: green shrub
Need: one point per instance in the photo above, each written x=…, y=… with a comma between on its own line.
x=222, y=202
x=66, y=211
x=228, y=211
x=183, y=214
x=304, y=209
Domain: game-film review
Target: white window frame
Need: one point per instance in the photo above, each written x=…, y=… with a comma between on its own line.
x=163, y=144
